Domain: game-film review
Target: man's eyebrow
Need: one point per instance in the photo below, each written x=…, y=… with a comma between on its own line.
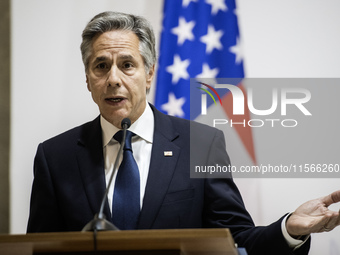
x=126, y=57
x=100, y=58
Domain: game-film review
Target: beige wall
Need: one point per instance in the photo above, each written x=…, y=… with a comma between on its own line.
x=4, y=112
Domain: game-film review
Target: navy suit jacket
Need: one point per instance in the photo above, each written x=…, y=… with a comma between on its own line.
x=69, y=183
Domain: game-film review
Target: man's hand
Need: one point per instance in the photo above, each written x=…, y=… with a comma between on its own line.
x=314, y=216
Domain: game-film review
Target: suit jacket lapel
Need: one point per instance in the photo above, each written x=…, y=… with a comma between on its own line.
x=161, y=169
x=91, y=165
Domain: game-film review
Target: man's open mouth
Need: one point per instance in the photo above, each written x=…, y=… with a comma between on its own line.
x=115, y=100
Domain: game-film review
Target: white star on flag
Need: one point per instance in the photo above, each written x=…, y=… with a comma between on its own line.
x=185, y=3
x=184, y=31
x=207, y=72
x=237, y=50
x=174, y=106
x=217, y=5
x=178, y=69
x=212, y=39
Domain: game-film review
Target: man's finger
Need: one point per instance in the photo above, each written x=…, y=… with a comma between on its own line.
x=333, y=221
x=331, y=198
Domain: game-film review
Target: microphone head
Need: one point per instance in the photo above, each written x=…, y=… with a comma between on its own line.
x=126, y=123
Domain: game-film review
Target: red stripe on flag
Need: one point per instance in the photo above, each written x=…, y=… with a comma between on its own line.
x=245, y=133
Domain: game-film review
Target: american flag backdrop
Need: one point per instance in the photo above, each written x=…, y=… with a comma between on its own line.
x=200, y=39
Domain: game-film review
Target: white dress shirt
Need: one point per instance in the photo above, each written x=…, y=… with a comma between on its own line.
x=141, y=147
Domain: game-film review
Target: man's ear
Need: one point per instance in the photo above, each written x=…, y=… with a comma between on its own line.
x=88, y=84
x=150, y=76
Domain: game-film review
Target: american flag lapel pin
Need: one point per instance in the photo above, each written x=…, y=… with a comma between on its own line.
x=167, y=153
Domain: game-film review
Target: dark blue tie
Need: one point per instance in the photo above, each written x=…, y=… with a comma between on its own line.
x=126, y=196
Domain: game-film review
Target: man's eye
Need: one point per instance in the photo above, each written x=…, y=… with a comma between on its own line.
x=128, y=65
x=102, y=66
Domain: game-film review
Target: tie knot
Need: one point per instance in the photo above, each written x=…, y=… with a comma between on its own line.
x=119, y=136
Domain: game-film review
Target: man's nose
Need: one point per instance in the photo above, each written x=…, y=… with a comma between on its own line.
x=114, y=75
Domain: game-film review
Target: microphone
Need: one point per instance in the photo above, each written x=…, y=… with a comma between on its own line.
x=99, y=222
x=126, y=123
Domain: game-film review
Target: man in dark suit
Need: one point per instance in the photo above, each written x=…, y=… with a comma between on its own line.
x=71, y=170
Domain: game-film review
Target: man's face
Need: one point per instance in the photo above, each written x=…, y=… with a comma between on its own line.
x=116, y=76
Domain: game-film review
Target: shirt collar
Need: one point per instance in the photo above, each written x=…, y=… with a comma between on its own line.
x=143, y=127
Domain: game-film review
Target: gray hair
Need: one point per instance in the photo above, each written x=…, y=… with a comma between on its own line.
x=109, y=21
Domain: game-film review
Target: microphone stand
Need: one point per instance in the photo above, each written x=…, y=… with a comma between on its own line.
x=99, y=222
